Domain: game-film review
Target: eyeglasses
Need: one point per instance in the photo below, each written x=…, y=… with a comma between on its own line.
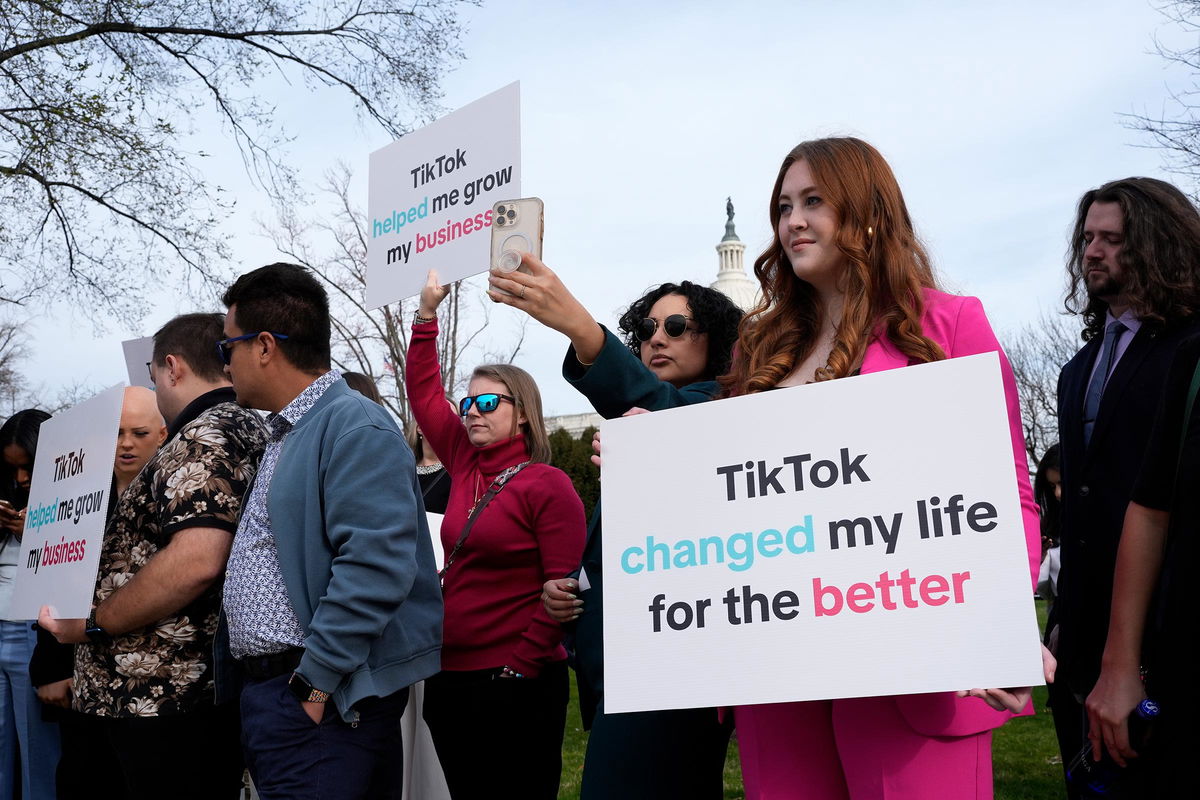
x=486, y=403
x=674, y=326
x=225, y=351
x=150, y=369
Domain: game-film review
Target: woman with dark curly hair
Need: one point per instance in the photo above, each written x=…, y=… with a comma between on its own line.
x=678, y=339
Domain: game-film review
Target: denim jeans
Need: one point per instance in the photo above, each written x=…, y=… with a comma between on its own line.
x=23, y=732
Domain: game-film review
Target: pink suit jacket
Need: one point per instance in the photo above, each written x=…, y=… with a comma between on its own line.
x=959, y=325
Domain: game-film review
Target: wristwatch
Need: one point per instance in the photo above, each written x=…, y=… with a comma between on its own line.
x=304, y=691
x=94, y=633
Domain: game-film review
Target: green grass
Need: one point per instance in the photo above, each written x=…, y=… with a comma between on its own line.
x=1024, y=754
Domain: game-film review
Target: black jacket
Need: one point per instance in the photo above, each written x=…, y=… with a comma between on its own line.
x=1097, y=483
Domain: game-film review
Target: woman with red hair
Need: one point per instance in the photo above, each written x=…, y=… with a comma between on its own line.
x=847, y=288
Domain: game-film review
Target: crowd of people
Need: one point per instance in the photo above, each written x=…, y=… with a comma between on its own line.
x=268, y=595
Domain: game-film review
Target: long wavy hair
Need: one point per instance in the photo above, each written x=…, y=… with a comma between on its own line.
x=1160, y=254
x=886, y=270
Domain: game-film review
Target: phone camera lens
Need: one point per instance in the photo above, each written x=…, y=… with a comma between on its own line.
x=500, y=210
x=511, y=214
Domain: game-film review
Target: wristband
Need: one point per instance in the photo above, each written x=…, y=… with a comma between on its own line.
x=419, y=320
x=304, y=691
x=94, y=633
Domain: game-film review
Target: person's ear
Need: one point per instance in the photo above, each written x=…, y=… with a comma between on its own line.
x=175, y=369
x=267, y=346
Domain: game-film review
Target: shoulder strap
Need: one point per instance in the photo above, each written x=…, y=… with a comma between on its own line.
x=493, y=490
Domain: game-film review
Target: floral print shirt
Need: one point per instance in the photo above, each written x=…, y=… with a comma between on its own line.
x=197, y=479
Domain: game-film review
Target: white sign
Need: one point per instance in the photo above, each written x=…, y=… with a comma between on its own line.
x=68, y=507
x=430, y=196
x=138, y=353
x=849, y=538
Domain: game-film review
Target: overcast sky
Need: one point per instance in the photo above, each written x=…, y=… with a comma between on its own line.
x=640, y=118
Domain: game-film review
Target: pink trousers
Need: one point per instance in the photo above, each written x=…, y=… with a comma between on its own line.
x=856, y=749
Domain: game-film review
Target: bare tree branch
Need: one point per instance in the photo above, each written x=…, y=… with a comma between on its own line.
x=374, y=342
x=98, y=196
x=1037, y=353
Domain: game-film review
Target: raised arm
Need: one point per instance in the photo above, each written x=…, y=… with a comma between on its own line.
x=597, y=363
x=541, y=295
x=423, y=380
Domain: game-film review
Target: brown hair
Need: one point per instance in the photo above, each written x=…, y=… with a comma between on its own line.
x=193, y=337
x=1160, y=253
x=363, y=385
x=529, y=402
x=887, y=267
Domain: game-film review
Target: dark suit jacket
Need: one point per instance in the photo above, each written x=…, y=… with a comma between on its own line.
x=1097, y=483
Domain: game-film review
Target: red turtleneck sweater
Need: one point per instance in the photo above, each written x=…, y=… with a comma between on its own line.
x=532, y=531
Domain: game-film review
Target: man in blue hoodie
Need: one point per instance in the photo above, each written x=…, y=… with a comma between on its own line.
x=331, y=593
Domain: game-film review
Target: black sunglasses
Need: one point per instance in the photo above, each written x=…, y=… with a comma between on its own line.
x=225, y=351
x=674, y=326
x=486, y=403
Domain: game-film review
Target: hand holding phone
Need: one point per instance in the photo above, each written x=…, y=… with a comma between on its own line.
x=11, y=519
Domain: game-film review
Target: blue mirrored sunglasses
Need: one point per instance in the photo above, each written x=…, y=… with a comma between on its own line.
x=224, y=350
x=486, y=403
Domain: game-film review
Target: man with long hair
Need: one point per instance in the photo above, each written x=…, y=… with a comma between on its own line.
x=1134, y=276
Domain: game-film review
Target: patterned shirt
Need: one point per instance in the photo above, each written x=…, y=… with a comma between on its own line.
x=260, y=614
x=197, y=479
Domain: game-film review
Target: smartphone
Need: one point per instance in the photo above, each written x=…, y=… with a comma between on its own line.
x=516, y=228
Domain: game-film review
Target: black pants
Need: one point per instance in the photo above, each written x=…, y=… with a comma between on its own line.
x=85, y=769
x=656, y=755
x=192, y=755
x=293, y=758
x=1070, y=726
x=499, y=737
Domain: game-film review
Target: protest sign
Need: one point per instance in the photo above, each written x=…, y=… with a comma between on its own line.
x=430, y=196
x=138, y=353
x=68, y=507
x=847, y=538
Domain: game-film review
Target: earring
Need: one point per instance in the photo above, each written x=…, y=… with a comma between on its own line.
x=870, y=231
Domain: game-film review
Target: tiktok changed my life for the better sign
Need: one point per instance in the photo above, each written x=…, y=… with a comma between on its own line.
x=849, y=538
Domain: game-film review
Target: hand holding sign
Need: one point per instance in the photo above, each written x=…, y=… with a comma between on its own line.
x=66, y=631
x=432, y=295
x=1016, y=699
x=819, y=520
x=431, y=195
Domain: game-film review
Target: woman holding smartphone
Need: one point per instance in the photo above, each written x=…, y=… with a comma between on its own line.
x=678, y=338
x=849, y=289
x=22, y=729
x=498, y=708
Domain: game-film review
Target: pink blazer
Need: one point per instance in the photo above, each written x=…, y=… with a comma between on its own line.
x=959, y=325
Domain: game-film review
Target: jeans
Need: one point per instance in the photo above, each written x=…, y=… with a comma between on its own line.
x=23, y=732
